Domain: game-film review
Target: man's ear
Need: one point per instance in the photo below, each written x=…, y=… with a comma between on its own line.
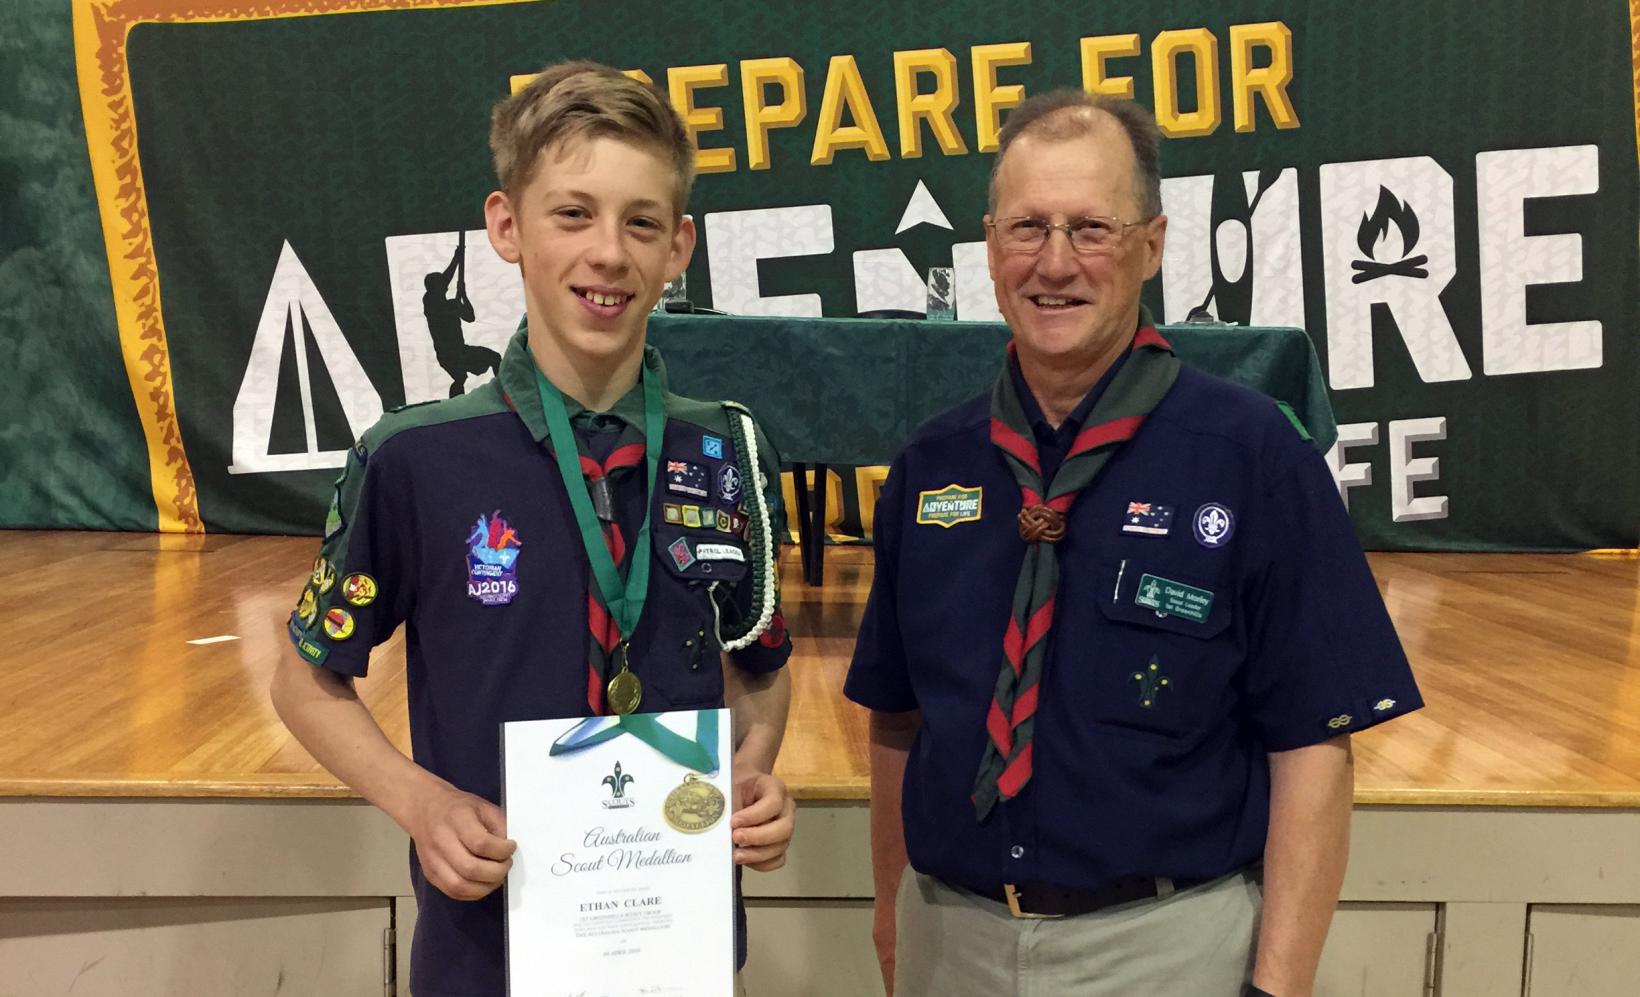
x=682, y=248
x=502, y=225
x=1155, y=239
x=992, y=257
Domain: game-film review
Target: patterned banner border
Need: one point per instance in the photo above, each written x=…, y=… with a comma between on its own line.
x=101, y=28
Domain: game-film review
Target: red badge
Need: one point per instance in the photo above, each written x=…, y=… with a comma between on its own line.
x=775, y=635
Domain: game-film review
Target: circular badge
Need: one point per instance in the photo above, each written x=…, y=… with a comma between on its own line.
x=307, y=608
x=338, y=624
x=359, y=589
x=1213, y=525
x=694, y=806
x=728, y=483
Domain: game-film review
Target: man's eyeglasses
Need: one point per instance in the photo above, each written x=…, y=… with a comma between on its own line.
x=1090, y=236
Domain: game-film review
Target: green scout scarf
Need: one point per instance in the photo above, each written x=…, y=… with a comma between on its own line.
x=613, y=608
x=1116, y=417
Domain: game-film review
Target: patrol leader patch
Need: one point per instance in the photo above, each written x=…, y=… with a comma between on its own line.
x=1151, y=519
x=949, y=506
x=719, y=552
x=684, y=478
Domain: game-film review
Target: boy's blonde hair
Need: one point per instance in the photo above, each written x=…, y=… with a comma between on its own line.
x=586, y=100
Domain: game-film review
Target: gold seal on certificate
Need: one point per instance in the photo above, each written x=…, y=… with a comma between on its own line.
x=624, y=692
x=694, y=806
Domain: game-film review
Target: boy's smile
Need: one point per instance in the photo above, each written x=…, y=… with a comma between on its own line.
x=595, y=232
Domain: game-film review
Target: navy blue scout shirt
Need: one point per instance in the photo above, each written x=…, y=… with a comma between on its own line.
x=1213, y=606
x=452, y=518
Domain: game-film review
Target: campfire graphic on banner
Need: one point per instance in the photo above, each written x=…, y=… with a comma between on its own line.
x=1374, y=237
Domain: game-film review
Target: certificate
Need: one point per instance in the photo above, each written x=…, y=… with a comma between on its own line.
x=623, y=882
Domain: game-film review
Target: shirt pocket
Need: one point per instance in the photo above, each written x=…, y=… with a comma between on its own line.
x=1166, y=649
x=680, y=665
x=703, y=554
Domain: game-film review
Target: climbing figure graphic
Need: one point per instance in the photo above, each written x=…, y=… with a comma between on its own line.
x=444, y=318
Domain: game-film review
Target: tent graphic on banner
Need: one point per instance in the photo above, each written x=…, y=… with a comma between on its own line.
x=294, y=312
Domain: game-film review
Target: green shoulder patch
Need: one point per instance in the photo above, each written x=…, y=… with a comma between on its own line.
x=306, y=647
x=1292, y=417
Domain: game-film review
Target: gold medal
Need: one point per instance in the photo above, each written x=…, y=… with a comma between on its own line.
x=624, y=691
x=694, y=806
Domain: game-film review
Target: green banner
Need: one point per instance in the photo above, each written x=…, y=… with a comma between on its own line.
x=290, y=196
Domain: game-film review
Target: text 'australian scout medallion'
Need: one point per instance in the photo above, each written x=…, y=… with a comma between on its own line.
x=949, y=506
x=492, y=556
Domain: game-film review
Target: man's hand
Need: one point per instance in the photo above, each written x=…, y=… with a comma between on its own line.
x=461, y=841
x=762, y=827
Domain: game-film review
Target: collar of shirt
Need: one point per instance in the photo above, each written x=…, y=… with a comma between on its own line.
x=1052, y=444
x=517, y=377
x=628, y=411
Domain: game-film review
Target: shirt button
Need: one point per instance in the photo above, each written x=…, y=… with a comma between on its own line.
x=1017, y=852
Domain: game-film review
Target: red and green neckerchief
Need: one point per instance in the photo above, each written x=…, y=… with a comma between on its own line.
x=614, y=603
x=1116, y=417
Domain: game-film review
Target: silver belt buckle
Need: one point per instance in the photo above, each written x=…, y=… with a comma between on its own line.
x=1014, y=908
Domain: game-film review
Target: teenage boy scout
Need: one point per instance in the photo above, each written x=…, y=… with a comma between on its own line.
x=1119, y=634
x=567, y=539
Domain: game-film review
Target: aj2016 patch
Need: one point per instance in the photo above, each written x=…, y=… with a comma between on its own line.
x=492, y=558
x=949, y=506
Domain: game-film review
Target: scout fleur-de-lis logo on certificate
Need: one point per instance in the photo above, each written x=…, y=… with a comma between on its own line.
x=617, y=782
x=1151, y=683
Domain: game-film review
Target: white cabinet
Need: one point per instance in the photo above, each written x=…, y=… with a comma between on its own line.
x=162, y=947
x=1583, y=951
x=814, y=948
x=1378, y=949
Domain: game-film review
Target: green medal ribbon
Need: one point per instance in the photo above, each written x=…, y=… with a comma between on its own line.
x=700, y=754
x=625, y=604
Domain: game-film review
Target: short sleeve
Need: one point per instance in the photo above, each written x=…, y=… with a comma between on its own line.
x=1323, y=657
x=877, y=676
x=773, y=647
x=358, y=591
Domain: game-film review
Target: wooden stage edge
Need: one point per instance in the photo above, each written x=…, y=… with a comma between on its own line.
x=1529, y=665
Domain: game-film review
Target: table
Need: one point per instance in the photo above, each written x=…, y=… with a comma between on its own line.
x=850, y=391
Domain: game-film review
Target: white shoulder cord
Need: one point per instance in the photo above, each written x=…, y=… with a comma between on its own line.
x=758, y=530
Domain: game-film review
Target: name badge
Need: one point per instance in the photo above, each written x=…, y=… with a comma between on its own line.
x=1171, y=598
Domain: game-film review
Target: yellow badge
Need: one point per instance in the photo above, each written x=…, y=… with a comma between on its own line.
x=324, y=574
x=307, y=608
x=949, y=506
x=338, y=624
x=691, y=515
x=359, y=589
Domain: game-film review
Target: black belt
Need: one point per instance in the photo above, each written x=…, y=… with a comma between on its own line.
x=1036, y=899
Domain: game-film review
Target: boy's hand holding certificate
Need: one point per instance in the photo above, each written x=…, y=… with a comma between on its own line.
x=623, y=882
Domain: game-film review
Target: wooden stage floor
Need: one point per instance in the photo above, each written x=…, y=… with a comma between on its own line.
x=1529, y=664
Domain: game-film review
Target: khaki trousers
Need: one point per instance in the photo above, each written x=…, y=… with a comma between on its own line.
x=1195, y=943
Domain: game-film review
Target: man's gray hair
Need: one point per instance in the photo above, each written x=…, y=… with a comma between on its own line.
x=1068, y=113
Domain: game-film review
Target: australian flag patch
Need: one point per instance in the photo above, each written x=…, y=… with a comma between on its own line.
x=686, y=478
x=1149, y=518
